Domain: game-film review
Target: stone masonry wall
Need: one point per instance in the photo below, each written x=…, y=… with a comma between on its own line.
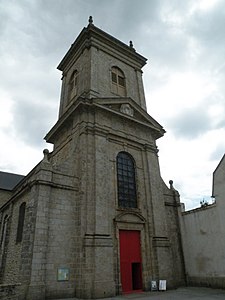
x=4, y=196
x=13, y=257
x=100, y=153
x=203, y=244
x=62, y=243
x=5, y=233
x=172, y=206
x=102, y=63
x=9, y=291
x=94, y=77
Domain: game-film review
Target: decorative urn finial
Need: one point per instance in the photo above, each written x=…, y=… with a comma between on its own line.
x=131, y=46
x=90, y=20
x=171, y=184
x=46, y=153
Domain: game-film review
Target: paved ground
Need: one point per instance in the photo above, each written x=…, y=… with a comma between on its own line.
x=179, y=294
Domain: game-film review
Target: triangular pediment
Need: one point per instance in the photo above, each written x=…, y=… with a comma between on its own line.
x=124, y=107
x=128, y=108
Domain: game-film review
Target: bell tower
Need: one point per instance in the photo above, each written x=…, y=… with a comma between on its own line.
x=98, y=65
x=105, y=152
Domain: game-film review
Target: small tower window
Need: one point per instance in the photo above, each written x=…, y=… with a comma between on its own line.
x=19, y=235
x=118, y=82
x=73, y=85
x=126, y=182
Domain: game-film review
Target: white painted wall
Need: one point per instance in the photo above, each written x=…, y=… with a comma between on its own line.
x=203, y=237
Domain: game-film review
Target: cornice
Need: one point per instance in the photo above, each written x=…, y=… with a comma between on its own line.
x=93, y=36
x=84, y=103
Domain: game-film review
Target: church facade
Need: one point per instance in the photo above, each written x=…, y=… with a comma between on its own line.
x=94, y=218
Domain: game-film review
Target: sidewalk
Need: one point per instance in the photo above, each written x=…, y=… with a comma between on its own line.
x=184, y=293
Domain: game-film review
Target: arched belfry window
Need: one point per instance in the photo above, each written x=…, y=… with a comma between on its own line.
x=126, y=182
x=21, y=218
x=118, y=82
x=73, y=85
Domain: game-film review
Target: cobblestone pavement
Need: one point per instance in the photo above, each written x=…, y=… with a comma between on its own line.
x=184, y=293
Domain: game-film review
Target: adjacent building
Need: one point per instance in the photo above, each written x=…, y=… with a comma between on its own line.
x=203, y=233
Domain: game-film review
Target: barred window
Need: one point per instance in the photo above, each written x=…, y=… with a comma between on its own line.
x=126, y=182
x=19, y=234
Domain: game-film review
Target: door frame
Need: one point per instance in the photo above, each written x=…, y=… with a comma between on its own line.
x=130, y=261
x=129, y=221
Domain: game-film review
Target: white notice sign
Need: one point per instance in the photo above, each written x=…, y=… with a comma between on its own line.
x=162, y=285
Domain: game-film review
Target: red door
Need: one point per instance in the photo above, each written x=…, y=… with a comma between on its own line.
x=130, y=260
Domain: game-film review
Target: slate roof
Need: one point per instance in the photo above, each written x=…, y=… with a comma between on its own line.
x=9, y=180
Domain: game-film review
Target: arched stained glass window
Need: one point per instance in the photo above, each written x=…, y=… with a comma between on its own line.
x=19, y=234
x=126, y=182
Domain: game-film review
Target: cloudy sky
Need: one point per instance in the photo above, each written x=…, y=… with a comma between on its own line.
x=184, y=78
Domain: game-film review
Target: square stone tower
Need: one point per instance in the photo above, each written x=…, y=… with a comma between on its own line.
x=108, y=140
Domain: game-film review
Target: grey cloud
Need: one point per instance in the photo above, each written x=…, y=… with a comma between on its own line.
x=175, y=43
x=42, y=31
x=220, y=124
x=190, y=123
x=41, y=26
x=38, y=27
x=166, y=40
x=132, y=18
x=31, y=121
x=217, y=152
x=207, y=30
x=209, y=27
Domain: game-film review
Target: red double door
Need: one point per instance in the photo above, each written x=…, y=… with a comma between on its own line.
x=130, y=260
